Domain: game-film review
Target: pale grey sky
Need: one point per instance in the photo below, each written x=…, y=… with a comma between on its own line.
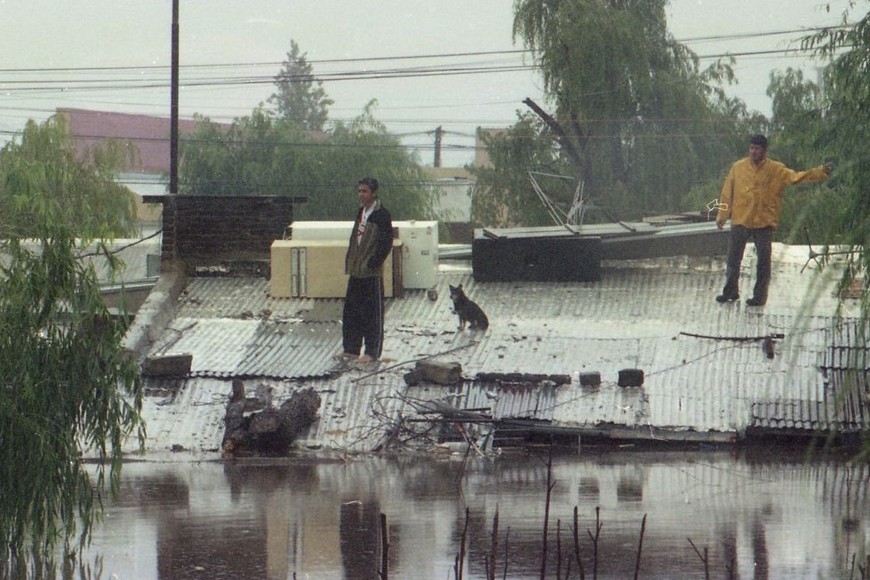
x=47, y=43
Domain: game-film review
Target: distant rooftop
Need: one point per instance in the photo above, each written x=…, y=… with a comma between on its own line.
x=148, y=133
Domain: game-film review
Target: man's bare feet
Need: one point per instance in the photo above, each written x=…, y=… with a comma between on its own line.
x=345, y=355
x=366, y=359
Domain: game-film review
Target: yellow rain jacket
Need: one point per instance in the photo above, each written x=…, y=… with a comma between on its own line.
x=752, y=196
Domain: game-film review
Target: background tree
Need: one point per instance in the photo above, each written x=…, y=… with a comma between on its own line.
x=359, y=148
x=42, y=170
x=846, y=134
x=262, y=155
x=503, y=191
x=291, y=154
x=68, y=386
x=300, y=98
x=240, y=160
x=795, y=128
x=632, y=116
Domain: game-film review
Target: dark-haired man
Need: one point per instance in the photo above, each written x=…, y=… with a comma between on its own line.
x=752, y=198
x=370, y=243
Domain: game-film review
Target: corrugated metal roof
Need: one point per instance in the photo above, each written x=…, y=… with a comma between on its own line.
x=706, y=371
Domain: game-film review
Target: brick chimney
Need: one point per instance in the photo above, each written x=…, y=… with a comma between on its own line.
x=216, y=232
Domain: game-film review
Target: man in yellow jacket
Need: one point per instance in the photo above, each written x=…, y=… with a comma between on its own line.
x=752, y=198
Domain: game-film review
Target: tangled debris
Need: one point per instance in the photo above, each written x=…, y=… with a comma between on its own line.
x=254, y=428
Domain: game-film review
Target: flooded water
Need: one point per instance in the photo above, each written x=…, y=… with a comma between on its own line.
x=773, y=515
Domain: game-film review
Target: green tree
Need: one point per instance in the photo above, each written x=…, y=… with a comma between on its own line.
x=240, y=160
x=68, y=389
x=262, y=155
x=503, y=195
x=42, y=170
x=290, y=153
x=846, y=134
x=795, y=128
x=356, y=149
x=797, y=108
x=300, y=97
x=633, y=116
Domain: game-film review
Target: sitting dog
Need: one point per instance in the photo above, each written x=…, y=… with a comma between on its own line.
x=467, y=310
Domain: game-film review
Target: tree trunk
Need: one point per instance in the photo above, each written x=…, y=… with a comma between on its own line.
x=270, y=431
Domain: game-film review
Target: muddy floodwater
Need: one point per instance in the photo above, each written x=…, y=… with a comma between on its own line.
x=726, y=513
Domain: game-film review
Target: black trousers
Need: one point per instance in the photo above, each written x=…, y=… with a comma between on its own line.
x=763, y=238
x=363, y=317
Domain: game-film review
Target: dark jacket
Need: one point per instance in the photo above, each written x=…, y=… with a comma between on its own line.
x=365, y=258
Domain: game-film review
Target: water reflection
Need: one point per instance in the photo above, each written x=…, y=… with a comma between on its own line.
x=359, y=522
x=753, y=516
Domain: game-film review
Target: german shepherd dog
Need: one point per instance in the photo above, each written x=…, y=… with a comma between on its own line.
x=467, y=310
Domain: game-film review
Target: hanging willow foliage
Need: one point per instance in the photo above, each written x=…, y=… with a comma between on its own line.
x=627, y=113
x=42, y=173
x=67, y=391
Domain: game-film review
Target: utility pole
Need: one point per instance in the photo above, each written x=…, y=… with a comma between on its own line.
x=438, y=133
x=173, y=105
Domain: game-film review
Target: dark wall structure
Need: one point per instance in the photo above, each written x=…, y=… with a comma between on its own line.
x=208, y=231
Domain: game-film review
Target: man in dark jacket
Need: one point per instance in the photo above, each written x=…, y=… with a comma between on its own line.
x=370, y=243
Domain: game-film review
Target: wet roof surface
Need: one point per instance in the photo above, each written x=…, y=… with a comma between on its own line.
x=706, y=372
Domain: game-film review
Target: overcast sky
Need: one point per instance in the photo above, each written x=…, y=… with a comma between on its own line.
x=231, y=49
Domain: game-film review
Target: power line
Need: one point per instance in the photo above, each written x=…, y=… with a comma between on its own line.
x=86, y=85
x=713, y=134
x=42, y=70
x=137, y=84
x=742, y=35
x=45, y=87
x=720, y=37
x=780, y=51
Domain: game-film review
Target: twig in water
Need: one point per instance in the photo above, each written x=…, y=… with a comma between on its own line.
x=639, y=547
x=594, y=539
x=460, y=559
x=493, y=550
x=550, y=485
x=507, y=539
x=385, y=548
x=865, y=569
x=577, y=542
x=703, y=559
